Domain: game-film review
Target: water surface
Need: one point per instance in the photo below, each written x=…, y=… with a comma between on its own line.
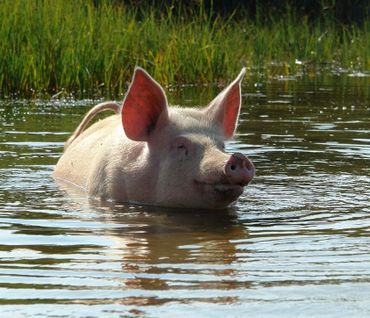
x=297, y=243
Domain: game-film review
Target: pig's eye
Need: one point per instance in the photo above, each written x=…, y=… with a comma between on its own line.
x=182, y=147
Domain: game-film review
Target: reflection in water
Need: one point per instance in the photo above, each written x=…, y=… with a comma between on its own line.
x=165, y=249
x=296, y=244
x=161, y=252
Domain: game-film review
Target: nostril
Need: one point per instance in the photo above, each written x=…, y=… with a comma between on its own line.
x=239, y=169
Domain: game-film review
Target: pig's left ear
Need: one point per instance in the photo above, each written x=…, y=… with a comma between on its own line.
x=225, y=108
x=144, y=104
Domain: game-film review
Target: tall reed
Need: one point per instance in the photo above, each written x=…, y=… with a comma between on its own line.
x=78, y=46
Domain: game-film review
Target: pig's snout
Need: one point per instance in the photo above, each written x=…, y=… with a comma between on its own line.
x=239, y=169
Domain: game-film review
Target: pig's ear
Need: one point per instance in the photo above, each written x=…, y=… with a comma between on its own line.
x=144, y=103
x=225, y=108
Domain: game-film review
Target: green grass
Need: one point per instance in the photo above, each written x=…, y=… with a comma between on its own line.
x=48, y=46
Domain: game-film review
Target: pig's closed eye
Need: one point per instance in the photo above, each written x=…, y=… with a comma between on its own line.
x=182, y=148
x=181, y=145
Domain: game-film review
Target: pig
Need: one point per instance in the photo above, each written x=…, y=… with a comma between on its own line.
x=151, y=154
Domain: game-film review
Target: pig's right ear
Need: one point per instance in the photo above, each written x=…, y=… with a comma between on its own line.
x=144, y=103
x=224, y=109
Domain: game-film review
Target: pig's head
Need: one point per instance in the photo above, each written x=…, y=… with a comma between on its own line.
x=187, y=164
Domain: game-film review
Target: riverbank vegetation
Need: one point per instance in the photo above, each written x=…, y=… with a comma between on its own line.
x=86, y=46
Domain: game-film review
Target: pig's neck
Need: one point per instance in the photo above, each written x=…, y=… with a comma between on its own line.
x=134, y=173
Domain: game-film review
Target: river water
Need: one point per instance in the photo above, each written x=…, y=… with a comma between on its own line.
x=297, y=243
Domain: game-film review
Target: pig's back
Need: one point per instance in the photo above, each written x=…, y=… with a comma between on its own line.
x=86, y=151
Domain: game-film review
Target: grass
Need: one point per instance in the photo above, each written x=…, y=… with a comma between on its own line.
x=48, y=46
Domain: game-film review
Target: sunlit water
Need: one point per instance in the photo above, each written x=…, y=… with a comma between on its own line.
x=297, y=243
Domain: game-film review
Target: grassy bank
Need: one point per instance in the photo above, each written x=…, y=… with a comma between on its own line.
x=54, y=45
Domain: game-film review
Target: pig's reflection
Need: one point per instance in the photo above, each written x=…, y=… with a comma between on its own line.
x=165, y=249
x=162, y=233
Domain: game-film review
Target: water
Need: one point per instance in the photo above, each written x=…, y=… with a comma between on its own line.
x=297, y=244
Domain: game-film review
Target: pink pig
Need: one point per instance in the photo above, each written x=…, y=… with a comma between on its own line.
x=149, y=153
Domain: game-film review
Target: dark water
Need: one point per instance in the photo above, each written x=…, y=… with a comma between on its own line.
x=297, y=244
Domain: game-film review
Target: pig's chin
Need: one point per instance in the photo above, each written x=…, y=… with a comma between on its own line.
x=220, y=194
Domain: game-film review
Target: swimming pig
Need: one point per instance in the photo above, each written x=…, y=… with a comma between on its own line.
x=150, y=153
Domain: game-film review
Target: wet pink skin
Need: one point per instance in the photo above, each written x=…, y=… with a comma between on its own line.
x=229, y=184
x=150, y=153
x=239, y=169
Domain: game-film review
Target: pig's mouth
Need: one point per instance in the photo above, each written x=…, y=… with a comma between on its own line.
x=222, y=192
